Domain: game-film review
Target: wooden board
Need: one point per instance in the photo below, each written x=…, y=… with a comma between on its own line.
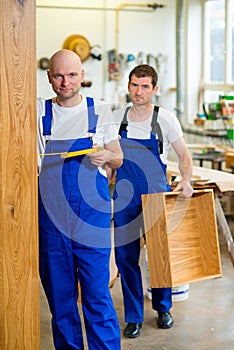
x=19, y=278
x=181, y=238
x=223, y=180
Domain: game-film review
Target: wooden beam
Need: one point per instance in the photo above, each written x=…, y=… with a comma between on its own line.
x=19, y=281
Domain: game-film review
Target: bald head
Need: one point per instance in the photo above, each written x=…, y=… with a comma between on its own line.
x=66, y=75
x=62, y=56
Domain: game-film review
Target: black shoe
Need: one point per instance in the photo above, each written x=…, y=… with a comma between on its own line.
x=132, y=330
x=165, y=320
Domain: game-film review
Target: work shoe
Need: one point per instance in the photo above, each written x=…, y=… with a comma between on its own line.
x=132, y=330
x=165, y=320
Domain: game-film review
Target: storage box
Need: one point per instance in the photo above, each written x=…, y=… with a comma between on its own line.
x=229, y=155
x=181, y=238
x=216, y=124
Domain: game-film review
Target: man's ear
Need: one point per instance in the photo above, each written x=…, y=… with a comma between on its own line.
x=48, y=75
x=155, y=89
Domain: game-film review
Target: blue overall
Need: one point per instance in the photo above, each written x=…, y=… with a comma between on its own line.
x=142, y=172
x=74, y=242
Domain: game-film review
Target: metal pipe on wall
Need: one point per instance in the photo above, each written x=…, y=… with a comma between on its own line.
x=62, y=7
x=150, y=7
x=134, y=7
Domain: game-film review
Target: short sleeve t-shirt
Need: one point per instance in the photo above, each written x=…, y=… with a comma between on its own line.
x=169, y=124
x=72, y=123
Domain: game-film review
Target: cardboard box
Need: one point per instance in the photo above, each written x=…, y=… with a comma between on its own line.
x=181, y=238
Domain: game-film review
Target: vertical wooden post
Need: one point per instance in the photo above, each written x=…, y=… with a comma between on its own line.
x=19, y=282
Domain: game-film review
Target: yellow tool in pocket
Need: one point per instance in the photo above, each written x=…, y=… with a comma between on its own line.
x=74, y=153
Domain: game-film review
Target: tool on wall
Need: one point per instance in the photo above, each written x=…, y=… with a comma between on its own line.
x=80, y=45
x=141, y=58
x=115, y=60
x=87, y=82
x=113, y=68
x=96, y=52
x=43, y=63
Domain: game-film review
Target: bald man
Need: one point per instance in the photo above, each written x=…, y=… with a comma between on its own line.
x=77, y=142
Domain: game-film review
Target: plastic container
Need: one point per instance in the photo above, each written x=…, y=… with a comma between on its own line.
x=180, y=293
x=149, y=293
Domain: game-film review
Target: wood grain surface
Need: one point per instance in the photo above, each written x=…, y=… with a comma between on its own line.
x=19, y=282
x=181, y=238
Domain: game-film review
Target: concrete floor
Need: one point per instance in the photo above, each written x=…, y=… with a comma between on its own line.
x=205, y=321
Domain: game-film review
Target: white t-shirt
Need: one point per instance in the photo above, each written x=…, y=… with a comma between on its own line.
x=169, y=124
x=72, y=123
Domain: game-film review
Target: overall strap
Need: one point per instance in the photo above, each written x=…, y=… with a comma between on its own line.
x=47, y=118
x=124, y=123
x=156, y=129
x=93, y=118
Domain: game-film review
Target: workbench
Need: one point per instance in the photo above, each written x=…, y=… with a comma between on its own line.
x=216, y=158
x=201, y=131
x=222, y=183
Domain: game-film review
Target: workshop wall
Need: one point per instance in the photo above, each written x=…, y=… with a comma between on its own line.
x=143, y=36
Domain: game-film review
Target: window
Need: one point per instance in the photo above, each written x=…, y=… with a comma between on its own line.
x=218, y=48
